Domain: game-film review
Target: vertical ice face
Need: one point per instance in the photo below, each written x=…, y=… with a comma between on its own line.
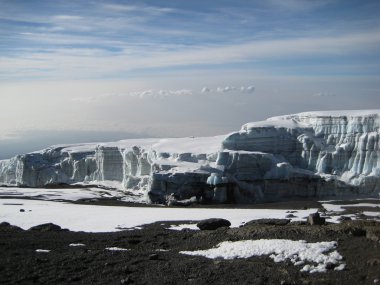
x=136, y=168
x=8, y=171
x=109, y=162
x=342, y=144
x=305, y=155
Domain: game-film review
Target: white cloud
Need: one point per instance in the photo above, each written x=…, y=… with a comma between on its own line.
x=226, y=89
x=152, y=10
x=159, y=94
x=67, y=17
x=242, y=89
x=248, y=89
x=324, y=94
x=162, y=93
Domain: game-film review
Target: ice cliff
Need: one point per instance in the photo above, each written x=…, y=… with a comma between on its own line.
x=305, y=155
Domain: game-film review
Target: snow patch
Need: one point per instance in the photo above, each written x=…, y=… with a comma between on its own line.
x=76, y=244
x=43, y=250
x=116, y=249
x=183, y=226
x=317, y=255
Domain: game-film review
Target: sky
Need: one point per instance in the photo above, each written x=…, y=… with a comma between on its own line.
x=76, y=71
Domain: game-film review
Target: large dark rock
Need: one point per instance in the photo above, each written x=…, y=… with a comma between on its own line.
x=213, y=224
x=271, y=222
x=7, y=227
x=49, y=227
x=316, y=219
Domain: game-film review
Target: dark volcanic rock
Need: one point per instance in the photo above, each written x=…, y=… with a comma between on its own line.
x=374, y=262
x=269, y=222
x=6, y=227
x=373, y=234
x=213, y=224
x=49, y=227
x=157, y=257
x=316, y=219
x=344, y=219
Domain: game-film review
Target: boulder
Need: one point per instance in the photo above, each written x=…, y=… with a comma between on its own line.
x=7, y=227
x=213, y=224
x=49, y=227
x=316, y=219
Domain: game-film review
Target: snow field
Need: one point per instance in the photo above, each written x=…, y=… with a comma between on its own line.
x=92, y=218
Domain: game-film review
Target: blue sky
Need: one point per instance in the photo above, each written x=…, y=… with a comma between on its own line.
x=140, y=66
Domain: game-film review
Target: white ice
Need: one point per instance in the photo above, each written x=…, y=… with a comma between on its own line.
x=314, y=256
x=69, y=194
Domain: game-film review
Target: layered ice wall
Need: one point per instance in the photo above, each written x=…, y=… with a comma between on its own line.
x=305, y=155
x=159, y=167
x=341, y=147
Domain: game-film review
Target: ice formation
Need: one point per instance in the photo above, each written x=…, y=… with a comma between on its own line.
x=305, y=155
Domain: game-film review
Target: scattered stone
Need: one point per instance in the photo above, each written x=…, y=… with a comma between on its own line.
x=22, y=210
x=290, y=216
x=344, y=219
x=49, y=227
x=357, y=232
x=373, y=262
x=270, y=222
x=126, y=280
x=330, y=266
x=316, y=219
x=373, y=234
x=213, y=224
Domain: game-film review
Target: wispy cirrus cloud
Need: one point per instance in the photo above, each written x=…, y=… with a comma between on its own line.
x=149, y=9
x=86, y=62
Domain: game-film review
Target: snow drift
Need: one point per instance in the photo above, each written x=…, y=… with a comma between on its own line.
x=305, y=155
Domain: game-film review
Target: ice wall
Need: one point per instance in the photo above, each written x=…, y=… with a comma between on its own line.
x=305, y=155
x=341, y=146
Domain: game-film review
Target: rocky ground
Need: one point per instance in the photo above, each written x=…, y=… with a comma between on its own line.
x=153, y=255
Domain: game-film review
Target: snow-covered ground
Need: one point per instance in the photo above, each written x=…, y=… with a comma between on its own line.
x=27, y=207
x=334, y=210
x=26, y=213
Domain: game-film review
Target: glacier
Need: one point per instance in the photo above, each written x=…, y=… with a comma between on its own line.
x=307, y=155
